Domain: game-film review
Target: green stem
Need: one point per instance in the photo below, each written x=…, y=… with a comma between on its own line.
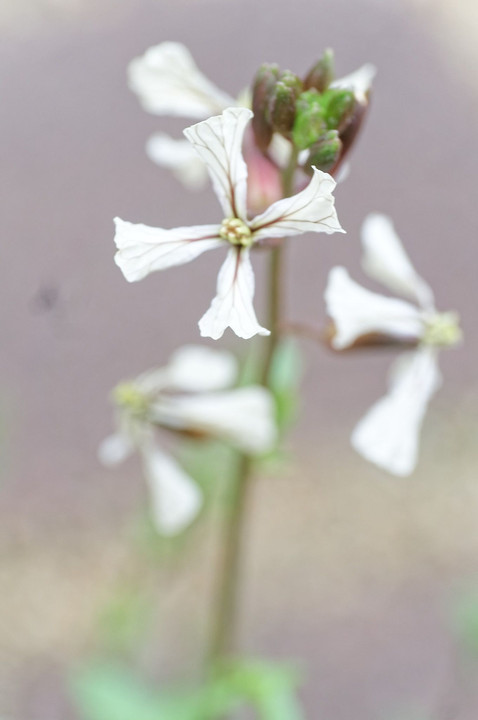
x=274, y=313
x=223, y=636
x=225, y=617
x=275, y=275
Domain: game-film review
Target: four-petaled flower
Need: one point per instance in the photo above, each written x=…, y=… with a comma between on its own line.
x=388, y=435
x=189, y=396
x=143, y=249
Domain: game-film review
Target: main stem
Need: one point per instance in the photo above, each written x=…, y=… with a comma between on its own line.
x=224, y=627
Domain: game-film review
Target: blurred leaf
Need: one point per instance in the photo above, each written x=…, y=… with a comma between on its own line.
x=465, y=621
x=103, y=692
x=284, y=379
x=106, y=693
x=250, y=371
x=267, y=687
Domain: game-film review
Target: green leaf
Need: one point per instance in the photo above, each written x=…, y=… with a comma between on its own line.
x=105, y=693
x=268, y=688
x=272, y=689
x=465, y=621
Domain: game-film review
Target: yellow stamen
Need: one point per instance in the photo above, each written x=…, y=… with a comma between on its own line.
x=236, y=232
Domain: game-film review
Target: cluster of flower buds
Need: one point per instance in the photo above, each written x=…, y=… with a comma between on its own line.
x=319, y=115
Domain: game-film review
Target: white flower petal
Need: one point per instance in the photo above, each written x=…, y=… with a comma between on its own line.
x=389, y=433
x=143, y=249
x=176, y=498
x=357, y=312
x=244, y=416
x=279, y=150
x=244, y=99
x=168, y=82
x=343, y=173
x=311, y=210
x=232, y=307
x=218, y=141
x=359, y=81
x=152, y=381
x=179, y=157
x=385, y=260
x=115, y=449
x=196, y=368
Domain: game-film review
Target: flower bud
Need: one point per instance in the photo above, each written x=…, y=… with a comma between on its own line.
x=322, y=74
x=350, y=129
x=340, y=106
x=264, y=83
x=309, y=122
x=282, y=100
x=325, y=153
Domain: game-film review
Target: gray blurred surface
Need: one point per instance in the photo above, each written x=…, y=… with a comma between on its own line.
x=72, y=158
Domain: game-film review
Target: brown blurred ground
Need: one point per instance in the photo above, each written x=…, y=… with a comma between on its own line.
x=347, y=567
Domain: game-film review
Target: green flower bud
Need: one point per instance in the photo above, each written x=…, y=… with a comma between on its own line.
x=309, y=122
x=325, y=153
x=264, y=83
x=340, y=105
x=322, y=74
x=350, y=129
x=282, y=100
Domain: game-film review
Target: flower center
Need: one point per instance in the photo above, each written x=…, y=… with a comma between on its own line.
x=128, y=397
x=236, y=232
x=443, y=329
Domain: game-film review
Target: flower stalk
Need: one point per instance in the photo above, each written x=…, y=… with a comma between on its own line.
x=225, y=618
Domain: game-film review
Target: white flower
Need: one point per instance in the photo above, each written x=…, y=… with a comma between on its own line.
x=388, y=434
x=178, y=156
x=167, y=81
x=191, y=395
x=218, y=141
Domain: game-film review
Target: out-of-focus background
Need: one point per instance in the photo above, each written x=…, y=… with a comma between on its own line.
x=350, y=569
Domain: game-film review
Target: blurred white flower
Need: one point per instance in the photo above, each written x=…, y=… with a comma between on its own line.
x=388, y=435
x=218, y=141
x=167, y=81
x=178, y=156
x=189, y=395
